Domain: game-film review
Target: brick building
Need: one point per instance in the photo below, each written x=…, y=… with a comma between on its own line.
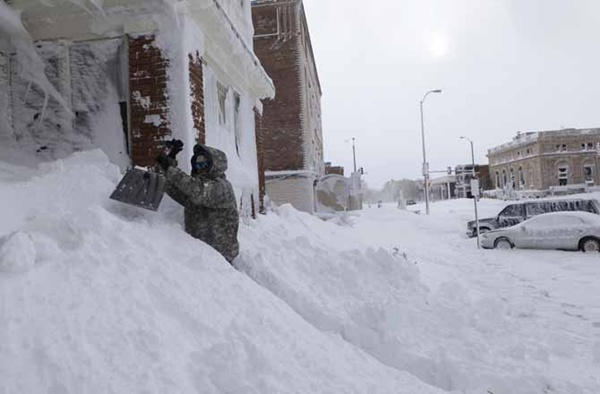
x=291, y=123
x=337, y=170
x=134, y=74
x=557, y=161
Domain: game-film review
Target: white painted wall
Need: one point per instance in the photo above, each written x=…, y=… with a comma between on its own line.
x=296, y=191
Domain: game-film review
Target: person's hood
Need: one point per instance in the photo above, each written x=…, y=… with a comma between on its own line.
x=217, y=158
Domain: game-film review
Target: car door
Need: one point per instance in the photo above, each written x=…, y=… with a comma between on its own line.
x=550, y=231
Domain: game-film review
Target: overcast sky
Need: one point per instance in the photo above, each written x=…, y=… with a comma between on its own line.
x=503, y=65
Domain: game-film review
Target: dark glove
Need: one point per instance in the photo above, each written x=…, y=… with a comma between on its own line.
x=165, y=161
x=174, y=147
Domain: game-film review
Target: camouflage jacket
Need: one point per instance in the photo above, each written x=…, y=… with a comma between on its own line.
x=211, y=213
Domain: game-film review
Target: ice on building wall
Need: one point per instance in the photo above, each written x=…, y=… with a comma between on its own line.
x=90, y=74
x=223, y=119
x=91, y=79
x=32, y=66
x=5, y=112
x=99, y=95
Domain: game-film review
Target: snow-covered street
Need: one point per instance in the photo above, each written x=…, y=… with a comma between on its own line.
x=101, y=297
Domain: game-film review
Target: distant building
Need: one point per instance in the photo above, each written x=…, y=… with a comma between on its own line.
x=329, y=169
x=443, y=188
x=464, y=175
x=559, y=161
x=292, y=141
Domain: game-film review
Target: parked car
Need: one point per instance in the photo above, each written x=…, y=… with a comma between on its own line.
x=411, y=202
x=518, y=212
x=555, y=230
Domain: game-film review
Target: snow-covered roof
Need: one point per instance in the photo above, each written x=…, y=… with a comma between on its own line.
x=444, y=180
x=523, y=139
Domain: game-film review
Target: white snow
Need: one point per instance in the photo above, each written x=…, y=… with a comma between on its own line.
x=143, y=101
x=98, y=296
x=107, y=298
x=154, y=120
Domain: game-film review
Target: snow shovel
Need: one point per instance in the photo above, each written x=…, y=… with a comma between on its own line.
x=140, y=188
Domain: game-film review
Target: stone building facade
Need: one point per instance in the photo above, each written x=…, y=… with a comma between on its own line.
x=291, y=122
x=133, y=74
x=557, y=161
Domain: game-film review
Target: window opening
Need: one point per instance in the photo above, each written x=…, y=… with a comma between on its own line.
x=588, y=173
x=521, y=178
x=237, y=127
x=563, y=176
x=222, y=91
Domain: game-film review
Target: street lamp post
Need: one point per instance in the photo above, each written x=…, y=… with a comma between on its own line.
x=354, y=154
x=425, y=164
x=475, y=195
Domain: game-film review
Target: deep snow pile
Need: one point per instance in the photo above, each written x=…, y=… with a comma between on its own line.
x=101, y=297
x=486, y=322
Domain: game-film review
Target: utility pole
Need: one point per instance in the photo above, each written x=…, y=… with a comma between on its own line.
x=425, y=164
x=474, y=193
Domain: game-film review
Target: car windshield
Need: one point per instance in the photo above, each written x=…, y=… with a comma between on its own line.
x=512, y=210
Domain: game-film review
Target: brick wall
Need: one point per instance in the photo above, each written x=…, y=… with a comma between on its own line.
x=338, y=170
x=279, y=54
x=147, y=100
x=197, y=86
x=261, y=162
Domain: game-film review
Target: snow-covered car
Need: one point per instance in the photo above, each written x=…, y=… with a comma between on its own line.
x=556, y=230
x=516, y=213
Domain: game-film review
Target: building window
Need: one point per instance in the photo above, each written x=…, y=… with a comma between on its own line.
x=528, y=152
x=504, y=179
x=222, y=91
x=521, y=178
x=563, y=175
x=237, y=124
x=512, y=178
x=590, y=146
x=588, y=173
x=497, y=180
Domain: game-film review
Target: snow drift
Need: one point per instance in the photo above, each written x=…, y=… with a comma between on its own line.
x=101, y=297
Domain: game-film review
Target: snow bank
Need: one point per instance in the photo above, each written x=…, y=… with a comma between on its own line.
x=101, y=297
x=466, y=330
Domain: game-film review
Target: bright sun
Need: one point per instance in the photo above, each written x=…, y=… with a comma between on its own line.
x=438, y=44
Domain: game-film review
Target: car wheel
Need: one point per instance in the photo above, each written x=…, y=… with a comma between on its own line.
x=504, y=244
x=589, y=245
